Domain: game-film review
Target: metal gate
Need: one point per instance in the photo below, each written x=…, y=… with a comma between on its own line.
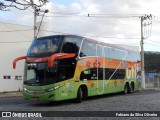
x=152, y=80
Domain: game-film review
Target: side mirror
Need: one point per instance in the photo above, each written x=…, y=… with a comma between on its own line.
x=52, y=59
x=17, y=59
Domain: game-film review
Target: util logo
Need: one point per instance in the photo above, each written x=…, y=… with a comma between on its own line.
x=132, y=72
x=38, y=60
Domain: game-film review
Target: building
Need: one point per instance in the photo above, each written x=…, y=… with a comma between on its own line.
x=14, y=41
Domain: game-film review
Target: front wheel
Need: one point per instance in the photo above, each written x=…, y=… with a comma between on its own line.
x=79, y=95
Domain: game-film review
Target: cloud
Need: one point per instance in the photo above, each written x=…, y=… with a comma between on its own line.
x=110, y=27
x=96, y=26
x=116, y=27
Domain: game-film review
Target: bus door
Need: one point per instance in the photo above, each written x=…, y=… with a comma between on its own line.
x=99, y=65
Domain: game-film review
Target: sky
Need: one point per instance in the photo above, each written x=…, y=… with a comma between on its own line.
x=111, y=21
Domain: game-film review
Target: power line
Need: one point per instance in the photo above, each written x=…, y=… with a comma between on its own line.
x=152, y=41
x=64, y=13
x=16, y=30
x=16, y=42
x=5, y=23
x=156, y=17
x=152, y=44
x=93, y=15
x=156, y=21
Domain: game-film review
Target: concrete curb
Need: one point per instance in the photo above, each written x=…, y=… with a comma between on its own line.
x=10, y=94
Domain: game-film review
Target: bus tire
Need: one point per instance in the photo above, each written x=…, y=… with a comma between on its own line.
x=79, y=95
x=131, y=88
x=126, y=88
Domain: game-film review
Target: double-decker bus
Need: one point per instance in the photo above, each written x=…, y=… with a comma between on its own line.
x=62, y=67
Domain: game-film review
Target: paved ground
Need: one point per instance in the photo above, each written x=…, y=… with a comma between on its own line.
x=148, y=100
x=10, y=94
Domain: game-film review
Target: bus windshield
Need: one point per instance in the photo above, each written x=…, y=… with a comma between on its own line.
x=40, y=74
x=45, y=46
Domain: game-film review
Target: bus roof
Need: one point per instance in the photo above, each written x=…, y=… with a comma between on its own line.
x=118, y=46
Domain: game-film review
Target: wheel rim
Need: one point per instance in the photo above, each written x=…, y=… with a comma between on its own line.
x=126, y=89
x=81, y=94
x=131, y=88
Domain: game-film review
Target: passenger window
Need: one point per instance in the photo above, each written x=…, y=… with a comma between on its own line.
x=114, y=74
x=106, y=49
x=114, y=53
x=71, y=45
x=89, y=74
x=110, y=55
x=122, y=55
x=88, y=49
x=99, y=51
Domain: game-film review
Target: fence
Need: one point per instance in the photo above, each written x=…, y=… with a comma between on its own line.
x=152, y=80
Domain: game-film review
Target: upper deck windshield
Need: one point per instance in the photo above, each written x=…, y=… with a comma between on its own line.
x=39, y=73
x=45, y=46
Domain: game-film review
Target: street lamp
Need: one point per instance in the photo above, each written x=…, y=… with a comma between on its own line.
x=46, y=11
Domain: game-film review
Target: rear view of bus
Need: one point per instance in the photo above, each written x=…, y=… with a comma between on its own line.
x=65, y=67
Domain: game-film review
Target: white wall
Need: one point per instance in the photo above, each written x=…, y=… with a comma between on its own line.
x=9, y=51
x=13, y=45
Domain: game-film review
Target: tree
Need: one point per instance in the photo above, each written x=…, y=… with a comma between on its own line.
x=152, y=61
x=23, y=5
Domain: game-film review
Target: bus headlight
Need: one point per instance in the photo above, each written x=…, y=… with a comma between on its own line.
x=24, y=89
x=52, y=89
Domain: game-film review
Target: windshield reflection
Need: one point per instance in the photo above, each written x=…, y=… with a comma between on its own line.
x=45, y=46
x=40, y=74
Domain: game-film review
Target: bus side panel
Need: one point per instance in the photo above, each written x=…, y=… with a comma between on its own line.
x=110, y=86
x=68, y=90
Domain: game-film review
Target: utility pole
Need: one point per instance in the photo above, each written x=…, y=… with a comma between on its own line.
x=147, y=34
x=35, y=19
x=142, y=55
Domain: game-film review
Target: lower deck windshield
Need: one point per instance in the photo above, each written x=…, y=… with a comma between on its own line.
x=39, y=74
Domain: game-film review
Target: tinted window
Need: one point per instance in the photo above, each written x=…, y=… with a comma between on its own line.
x=91, y=74
x=71, y=45
x=122, y=55
x=110, y=54
x=115, y=53
x=88, y=49
x=106, y=52
x=66, y=69
x=99, y=51
x=39, y=73
x=115, y=74
x=44, y=46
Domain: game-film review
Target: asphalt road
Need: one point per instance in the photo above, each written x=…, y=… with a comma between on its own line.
x=148, y=100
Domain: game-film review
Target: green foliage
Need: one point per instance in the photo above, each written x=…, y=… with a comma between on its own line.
x=152, y=61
